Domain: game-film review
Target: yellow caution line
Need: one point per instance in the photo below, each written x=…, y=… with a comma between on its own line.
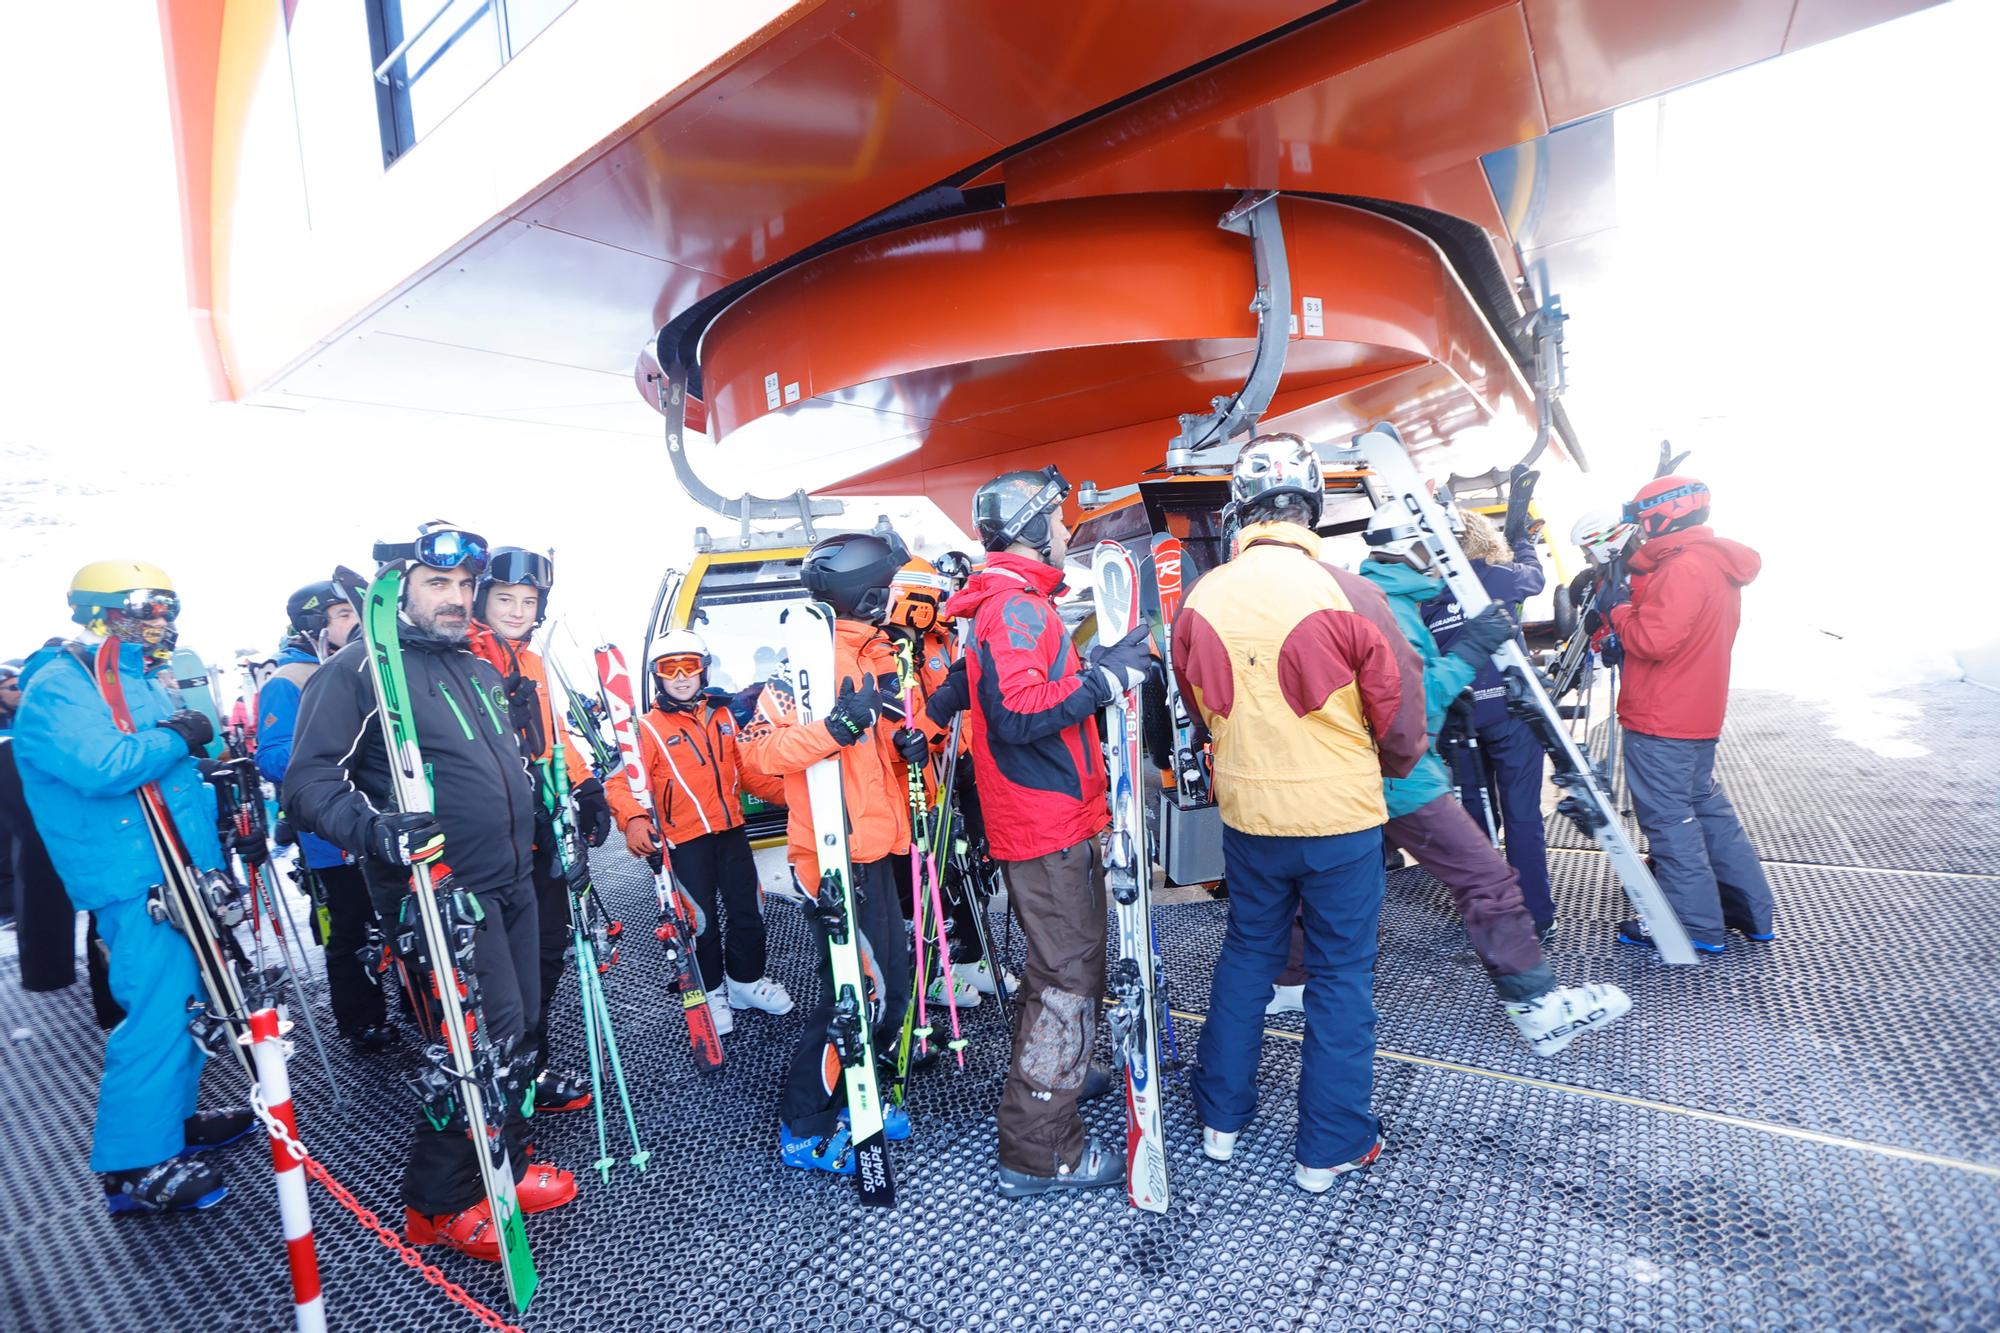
x=1829, y=865
x=1647, y=1104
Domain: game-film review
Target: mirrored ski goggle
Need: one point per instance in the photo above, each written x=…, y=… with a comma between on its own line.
x=150, y=604
x=517, y=566
x=440, y=548
x=678, y=666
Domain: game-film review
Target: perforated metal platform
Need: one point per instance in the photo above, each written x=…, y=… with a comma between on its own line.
x=1799, y=1135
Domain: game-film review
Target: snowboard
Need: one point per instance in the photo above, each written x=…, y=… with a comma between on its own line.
x=197, y=691
x=807, y=631
x=1584, y=798
x=1134, y=1019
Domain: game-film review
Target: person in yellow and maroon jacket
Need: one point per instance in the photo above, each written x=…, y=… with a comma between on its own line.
x=687, y=747
x=1311, y=696
x=1034, y=704
x=511, y=601
x=850, y=572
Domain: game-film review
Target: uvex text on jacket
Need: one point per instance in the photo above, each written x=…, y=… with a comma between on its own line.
x=1678, y=629
x=773, y=742
x=693, y=772
x=1305, y=684
x=1035, y=752
x=339, y=775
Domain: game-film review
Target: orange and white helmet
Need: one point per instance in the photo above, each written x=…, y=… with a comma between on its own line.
x=917, y=596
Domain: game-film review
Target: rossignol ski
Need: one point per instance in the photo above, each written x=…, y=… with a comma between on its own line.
x=1134, y=1018
x=467, y=1073
x=808, y=639
x=1584, y=799
x=205, y=906
x=680, y=917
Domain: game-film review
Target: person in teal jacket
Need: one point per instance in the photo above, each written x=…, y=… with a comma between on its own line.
x=81, y=775
x=1426, y=820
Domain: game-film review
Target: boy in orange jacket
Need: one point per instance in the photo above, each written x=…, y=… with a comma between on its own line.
x=850, y=573
x=688, y=749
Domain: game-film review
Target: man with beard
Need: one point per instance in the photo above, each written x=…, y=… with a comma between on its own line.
x=339, y=787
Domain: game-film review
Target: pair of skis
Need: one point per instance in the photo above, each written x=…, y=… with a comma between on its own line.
x=1584, y=797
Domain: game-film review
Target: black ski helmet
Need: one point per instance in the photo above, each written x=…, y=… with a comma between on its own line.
x=1015, y=507
x=851, y=572
x=306, y=609
x=956, y=567
x=515, y=564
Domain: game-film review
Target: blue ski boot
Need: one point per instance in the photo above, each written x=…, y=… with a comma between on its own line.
x=813, y=1154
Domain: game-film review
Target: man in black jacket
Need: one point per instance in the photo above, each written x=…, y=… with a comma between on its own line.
x=338, y=786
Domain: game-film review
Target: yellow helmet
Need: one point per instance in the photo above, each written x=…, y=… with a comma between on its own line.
x=103, y=584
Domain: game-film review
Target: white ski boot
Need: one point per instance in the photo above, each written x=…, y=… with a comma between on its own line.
x=1319, y=1179
x=1287, y=999
x=980, y=977
x=763, y=993
x=963, y=991
x=1552, y=1021
x=1219, y=1145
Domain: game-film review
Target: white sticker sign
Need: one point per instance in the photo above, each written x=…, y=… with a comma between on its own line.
x=792, y=392
x=1315, y=318
x=771, y=391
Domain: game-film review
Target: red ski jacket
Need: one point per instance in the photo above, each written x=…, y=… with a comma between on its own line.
x=1035, y=752
x=1687, y=599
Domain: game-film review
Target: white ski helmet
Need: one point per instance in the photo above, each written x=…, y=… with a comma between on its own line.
x=1272, y=468
x=1603, y=534
x=1392, y=534
x=678, y=643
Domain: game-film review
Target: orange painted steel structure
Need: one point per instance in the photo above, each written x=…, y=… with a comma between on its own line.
x=622, y=178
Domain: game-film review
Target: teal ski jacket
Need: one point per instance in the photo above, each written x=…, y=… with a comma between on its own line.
x=81, y=776
x=1444, y=678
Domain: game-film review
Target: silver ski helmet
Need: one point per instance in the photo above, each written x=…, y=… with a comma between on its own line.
x=515, y=564
x=1603, y=534
x=1015, y=507
x=851, y=572
x=1392, y=534
x=1278, y=474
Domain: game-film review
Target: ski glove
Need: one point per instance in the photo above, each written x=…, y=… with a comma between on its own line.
x=952, y=696
x=193, y=728
x=524, y=714
x=1598, y=613
x=404, y=839
x=853, y=713
x=911, y=744
x=593, y=811
x=1520, y=490
x=1483, y=634
x=1611, y=651
x=1123, y=665
x=639, y=838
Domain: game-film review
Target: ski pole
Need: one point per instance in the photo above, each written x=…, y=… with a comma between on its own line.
x=583, y=974
x=918, y=817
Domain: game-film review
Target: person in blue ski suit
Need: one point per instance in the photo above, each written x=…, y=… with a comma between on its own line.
x=1507, y=745
x=81, y=775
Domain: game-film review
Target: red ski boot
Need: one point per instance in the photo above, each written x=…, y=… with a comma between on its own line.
x=544, y=1186
x=470, y=1231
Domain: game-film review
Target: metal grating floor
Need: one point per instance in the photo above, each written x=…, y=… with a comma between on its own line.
x=1585, y=1192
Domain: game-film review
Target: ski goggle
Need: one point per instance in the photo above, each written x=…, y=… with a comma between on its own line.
x=678, y=666
x=440, y=548
x=519, y=566
x=147, y=604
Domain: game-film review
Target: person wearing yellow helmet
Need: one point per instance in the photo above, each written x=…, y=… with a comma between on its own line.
x=81, y=774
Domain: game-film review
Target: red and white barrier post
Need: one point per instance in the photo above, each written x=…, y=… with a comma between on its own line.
x=267, y=1049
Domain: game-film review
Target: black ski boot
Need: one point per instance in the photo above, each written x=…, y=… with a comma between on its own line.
x=557, y=1092
x=373, y=1039
x=1096, y=1167
x=178, y=1184
x=1096, y=1083
x=212, y=1129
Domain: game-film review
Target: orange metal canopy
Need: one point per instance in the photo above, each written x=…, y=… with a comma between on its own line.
x=1075, y=332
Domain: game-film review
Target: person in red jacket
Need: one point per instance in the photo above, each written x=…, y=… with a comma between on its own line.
x=1675, y=635
x=687, y=747
x=1040, y=772
x=865, y=728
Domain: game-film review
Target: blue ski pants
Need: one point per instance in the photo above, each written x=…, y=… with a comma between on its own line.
x=152, y=1068
x=1701, y=856
x=1516, y=758
x=1337, y=882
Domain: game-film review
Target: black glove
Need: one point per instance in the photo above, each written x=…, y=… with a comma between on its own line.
x=524, y=715
x=1520, y=490
x=593, y=811
x=912, y=745
x=1611, y=651
x=192, y=728
x=853, y=713
x=404, y=839
x=1482, y=634
x=952, y=696
x=1123, y=665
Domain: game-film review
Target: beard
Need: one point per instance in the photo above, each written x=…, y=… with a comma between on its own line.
x=450, y=623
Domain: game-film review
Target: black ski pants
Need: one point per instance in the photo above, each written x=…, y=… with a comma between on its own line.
x=721, y=866
x=815, y=1083
x=350, y=982
x=441, y=1174
x=553, y=938
x=962, y=933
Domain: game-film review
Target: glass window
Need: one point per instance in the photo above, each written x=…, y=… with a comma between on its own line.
x=431, y=55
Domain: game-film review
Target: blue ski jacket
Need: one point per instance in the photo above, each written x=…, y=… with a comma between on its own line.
x=277, y=718
x=81, y=776
x=1444, y=678
x=1510, y=585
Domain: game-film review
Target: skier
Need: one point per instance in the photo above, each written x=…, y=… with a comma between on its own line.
x=1040, y=773
x=850, y=572
x=322, y=622
x=81, y=775
x=1675, y=633
x=1504, y=742
x=10, y=702
x=338, y=786
x=1296, y=670
x=1428, y=823
x=509, y=605
x=688, y=748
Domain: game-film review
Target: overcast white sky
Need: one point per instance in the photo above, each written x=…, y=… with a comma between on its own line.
x=1802, y=293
